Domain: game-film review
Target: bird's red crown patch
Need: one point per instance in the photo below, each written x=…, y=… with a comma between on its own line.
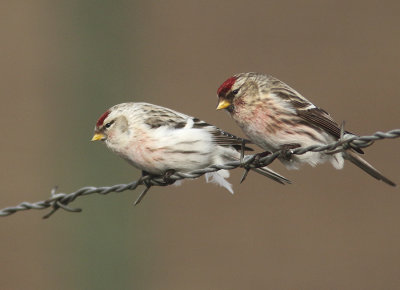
x=226, y=86
x=102, y=118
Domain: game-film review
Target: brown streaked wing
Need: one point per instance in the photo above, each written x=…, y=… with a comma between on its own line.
x=320, y=118
x=316, y=116
x=289, y=95
x=158, y=118
x=295, y=101
x=155, y=122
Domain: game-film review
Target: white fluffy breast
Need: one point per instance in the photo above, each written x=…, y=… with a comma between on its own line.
x=163, y=148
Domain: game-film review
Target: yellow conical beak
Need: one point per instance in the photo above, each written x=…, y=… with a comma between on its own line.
x=223, y=104
x=98, y=136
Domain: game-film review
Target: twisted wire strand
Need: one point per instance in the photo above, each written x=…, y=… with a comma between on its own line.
x=61, y=200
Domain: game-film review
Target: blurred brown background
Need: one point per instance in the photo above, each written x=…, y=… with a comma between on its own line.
x=65, y=62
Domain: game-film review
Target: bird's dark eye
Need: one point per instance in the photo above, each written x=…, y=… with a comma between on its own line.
x=235, y=92
x=108, y=125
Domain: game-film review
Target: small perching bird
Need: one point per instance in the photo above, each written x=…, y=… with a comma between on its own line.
x=276, y=117
x=158, y=140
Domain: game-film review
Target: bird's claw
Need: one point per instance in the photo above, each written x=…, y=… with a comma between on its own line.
x=287, y=151
x=166, y=177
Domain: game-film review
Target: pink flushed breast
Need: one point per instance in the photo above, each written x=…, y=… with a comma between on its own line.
x=142, y=154
x=258, y=118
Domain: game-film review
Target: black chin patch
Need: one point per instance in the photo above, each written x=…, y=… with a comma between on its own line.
x=230, y=109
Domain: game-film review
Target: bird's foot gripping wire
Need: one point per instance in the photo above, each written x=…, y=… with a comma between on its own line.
x=286, y=151
x=166, y=177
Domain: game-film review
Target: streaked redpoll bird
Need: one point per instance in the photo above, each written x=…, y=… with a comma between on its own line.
x=274, y=116
x=157, y=140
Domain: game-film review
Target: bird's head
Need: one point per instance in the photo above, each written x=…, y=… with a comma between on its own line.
x=111, y=126
x=238, y=90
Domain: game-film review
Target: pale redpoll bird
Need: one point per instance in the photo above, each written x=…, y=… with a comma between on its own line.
x=274, y=116
x=157, y=140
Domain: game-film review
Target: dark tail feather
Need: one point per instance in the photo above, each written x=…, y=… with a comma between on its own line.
x=272, y=174
x=368, y=168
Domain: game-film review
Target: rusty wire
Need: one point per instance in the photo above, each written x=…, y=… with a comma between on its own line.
x=62, y=200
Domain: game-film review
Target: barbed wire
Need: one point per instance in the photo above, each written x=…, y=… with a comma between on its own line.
x=61, y=200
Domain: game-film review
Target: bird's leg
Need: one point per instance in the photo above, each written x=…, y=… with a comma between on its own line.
x=287, y=150
x=145, y=173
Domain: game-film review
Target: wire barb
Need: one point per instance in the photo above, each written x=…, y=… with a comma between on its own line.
x=62, y=200
x=242, y=163
x=139, y=199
